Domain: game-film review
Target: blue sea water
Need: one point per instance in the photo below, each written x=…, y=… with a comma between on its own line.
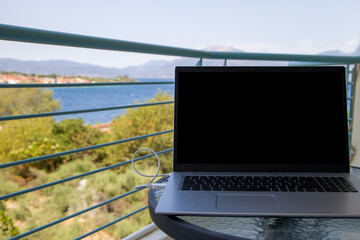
x=78, y=98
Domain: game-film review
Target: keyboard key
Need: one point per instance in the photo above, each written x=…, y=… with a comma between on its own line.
x=267, y=183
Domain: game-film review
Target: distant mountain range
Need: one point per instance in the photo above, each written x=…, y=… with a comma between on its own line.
x=151, y=69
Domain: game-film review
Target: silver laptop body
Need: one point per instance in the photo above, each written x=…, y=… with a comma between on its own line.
x=261, y=141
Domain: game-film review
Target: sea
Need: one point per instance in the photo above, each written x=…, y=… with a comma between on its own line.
x=79, y=98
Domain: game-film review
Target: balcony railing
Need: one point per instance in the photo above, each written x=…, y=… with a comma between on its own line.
x=22, y=34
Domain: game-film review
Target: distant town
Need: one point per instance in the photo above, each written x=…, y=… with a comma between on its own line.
x=19, y=78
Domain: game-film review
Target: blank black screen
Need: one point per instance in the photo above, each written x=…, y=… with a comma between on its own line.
x=260, y=116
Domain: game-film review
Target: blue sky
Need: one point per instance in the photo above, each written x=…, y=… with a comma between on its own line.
x=304, y=27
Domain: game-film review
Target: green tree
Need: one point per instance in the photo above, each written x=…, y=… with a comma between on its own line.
x=73, y=133
x=19, y=101
x=21, y=139
x=141, y=121
x=34, y=137
x=18, y=137
x=124, y=78
x=7, y=228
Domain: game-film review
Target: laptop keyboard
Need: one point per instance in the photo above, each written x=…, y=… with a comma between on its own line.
x=267, y=184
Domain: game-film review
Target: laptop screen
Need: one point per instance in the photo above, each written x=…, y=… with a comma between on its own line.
x=260, y=119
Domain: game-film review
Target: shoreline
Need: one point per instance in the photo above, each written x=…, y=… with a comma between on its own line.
x=104, y=127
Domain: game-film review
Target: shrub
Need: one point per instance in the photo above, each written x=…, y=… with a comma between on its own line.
x=7, y=228
x=73, y=133
x=141, y=121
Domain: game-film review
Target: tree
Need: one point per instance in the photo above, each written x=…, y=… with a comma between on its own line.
x=18, y=138
x=73, y=134
x=19, y=101
x=141, y=121
x=7, y=228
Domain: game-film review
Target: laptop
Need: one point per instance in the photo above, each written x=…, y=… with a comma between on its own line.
x=261, y=141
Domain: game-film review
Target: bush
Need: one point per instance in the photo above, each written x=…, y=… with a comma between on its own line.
x=31, y=138
x=141, y=121
x=7, y=228
x=19, y=101
x=73, y=133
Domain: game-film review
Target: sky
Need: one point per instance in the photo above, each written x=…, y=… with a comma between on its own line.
x=279, y=26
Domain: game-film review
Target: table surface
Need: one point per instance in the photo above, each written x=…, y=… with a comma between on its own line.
x=193, y=227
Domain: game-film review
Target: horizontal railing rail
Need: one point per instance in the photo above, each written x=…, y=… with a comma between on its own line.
x=23, y=34
x=32, y=35
x=111, y=223
x=51, y=114
x=75, y=214
x=45, y=157
x=39, y=36
x=10, y=195
x=97, y=84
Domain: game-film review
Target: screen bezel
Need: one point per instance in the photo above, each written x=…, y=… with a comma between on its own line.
x=186, y=167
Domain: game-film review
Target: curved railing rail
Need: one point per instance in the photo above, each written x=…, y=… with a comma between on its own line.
x=31, y=35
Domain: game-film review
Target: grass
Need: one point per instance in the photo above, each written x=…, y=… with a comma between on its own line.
x=40, y=207
x=34, y=209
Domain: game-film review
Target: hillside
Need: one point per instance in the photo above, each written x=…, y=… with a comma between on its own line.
x=60, y=67
x=16, y=77
x=151, y=69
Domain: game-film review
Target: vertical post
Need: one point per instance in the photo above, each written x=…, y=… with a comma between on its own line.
x=350, y=98
x=225, y=62
x=355, y=116
x=199, y=63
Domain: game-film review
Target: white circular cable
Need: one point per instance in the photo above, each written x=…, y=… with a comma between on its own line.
x=144, y=175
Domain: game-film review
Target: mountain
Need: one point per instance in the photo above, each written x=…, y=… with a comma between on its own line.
x=221, y=48
x=151, y=69
x=60, y=67
x=165, y=69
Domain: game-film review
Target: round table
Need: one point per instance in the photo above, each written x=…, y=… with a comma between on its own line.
x=200, y=227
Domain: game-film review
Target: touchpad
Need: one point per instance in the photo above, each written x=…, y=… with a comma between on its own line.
x=247, y=202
